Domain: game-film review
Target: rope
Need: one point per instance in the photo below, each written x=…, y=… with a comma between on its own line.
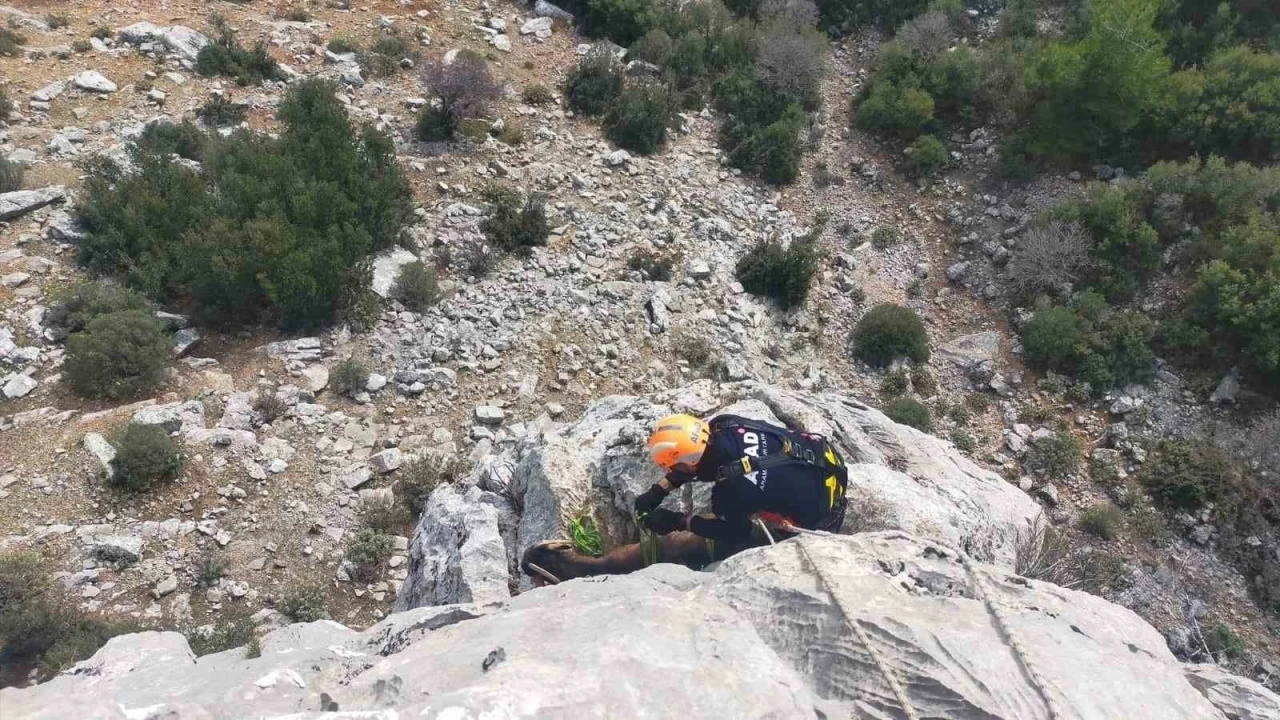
x=898, y=692
x=1001, y=622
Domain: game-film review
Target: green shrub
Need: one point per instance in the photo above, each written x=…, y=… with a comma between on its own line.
x=514, y=224
x=923, y=382
x=1091, y=342
x=11, y=175
x=10, y=41
x=182, y=139
x=512, y=133
x=537, y=94
x=145, y=456
x=964, y=442
x=1222, y=641
x=224, y=56
x=895, y=383
x=791, y=60
x=101, y=32
x=1055, y=455
x=637, y=119
x=655, y=47
x=75, y=307
x=368, y=551
x=622, y=21
x=268, y=228
x=781, y=273
x=385, y=515
x=117, y=355
x=40, y=629
x=926, y=155
x=906, y=411
x=433, y=125
x=57, y=21
x=887, y=332
x=844, y=15
x=1101, y=521
x=6, y=105
x=595, y=83
x=418, y=477
x=1125, y=248
x=219, y=110
x=208, y=571
x=349, y=377
x=416, y=286
x=697, y=352
x=269, y=406
x=1183, y=475
x=227, y=633
x=293, y=13
x=81, y=46
x=885, y=236
x=343, y=46
x=1228, y=108
x=384, y=56
x=903, y=110
x=304, y=605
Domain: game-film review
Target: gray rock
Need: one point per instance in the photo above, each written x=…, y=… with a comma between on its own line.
x=386, y=267
x=1125, y=404
x=538, y=27
x=698, y=269
x=1048, y=493
x=317, y=377
x=542, y=8
x=63, y=227
x=618, y=158
x=734, y=643
x=490, y=415
x=972, y=350
x=184, y=416
x=49, y=92
x=238, y=412
x=501, y=43
x=19, y=203
x=376, y=382
x=356, y=476
x=183, y=41
x=19, y=385
x=457, y=554
x=1236, y=697
x=386, y=461
x=184, y=340
x=93, y=81
x=1226, y=392
x=167, y=586
x=125, y=549
x=102, y=451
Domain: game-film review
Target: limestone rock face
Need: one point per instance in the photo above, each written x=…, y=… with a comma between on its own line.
x=907, y=479
x=768, y=634
x=457, y=554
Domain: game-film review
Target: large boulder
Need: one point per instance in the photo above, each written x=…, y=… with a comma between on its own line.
x=20, y=202
x=457, y=553
x=906, y=479
x=769, y=634
x=181, y=40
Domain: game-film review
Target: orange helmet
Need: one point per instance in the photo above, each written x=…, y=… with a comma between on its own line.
x=678, y=440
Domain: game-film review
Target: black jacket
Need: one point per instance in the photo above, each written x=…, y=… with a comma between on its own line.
x=799, y=491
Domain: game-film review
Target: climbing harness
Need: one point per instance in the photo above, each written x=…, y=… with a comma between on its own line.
x=1001, y=622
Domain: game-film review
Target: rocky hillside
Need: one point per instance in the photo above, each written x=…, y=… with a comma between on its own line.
x=390, y=427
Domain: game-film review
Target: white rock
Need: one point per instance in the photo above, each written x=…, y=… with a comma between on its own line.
x=538, y=27
x=387, y=266
x=457, y=554
x=19, y=386
x=501, y=42
x=317, y=377
x=21, y=202
x=386, y=461
x=102, y=451
x=93, y=81
x=489, y=415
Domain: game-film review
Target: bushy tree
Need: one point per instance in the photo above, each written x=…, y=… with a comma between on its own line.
x=906, y=411
x=515, y=224
x=792, y=61
x=117, y=355
x=279, y=227
x=224, y=56
x=887, y=332
x=1049, y=258
x=1092, y=342
x=416, y=286
x=74, y=308
x=783, y=273
x=637, y=121
x=1124, y=246
x=595, y=83
x=11, y=175
x=655, y=47
x=623, y=21
x=1230, y=107
x=1089, y=94
x=465, y=88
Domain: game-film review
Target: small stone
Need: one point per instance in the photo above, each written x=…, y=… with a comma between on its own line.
x=490, y=415
x=94, y=81
x=376, y=382
x=386, y=461
x=501, y=43
x=317, y=377
x=165, y=587
x=1048, y=493
x=554, y=410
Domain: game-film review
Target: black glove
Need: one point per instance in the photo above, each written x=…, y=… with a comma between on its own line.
x=650, y=499
x=662, y=521
x=676, y=478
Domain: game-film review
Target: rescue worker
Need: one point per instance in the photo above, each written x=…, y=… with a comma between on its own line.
x=760, y=472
